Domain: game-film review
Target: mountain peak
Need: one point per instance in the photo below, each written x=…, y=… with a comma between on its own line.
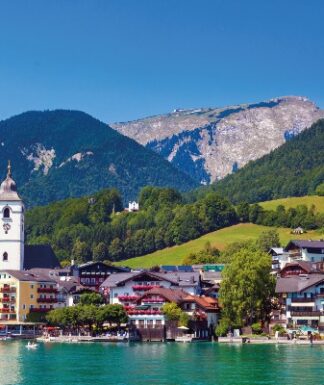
x=210, y=143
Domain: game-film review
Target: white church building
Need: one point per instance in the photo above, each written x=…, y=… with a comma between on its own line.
x=14, y=254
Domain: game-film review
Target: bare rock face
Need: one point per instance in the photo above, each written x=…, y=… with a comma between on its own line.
x=209, y=143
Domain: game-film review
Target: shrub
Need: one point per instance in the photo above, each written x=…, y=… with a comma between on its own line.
x=278, y=328
x=223, y=327
x=256, y=328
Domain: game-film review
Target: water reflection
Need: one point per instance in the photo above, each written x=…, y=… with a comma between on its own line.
x=10, y=361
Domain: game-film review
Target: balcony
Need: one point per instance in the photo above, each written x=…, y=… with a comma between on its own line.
x=306, y=313
x=128, y=298
x=46, y=300
x=153, y=300
x=39, y=310
x=302, y=300
x=7, y=289
x=144, y=312
x=7, y=311
x=46, y=290
x=145, y=287
x=8, y=300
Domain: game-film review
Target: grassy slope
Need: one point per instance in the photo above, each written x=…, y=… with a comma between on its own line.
x=295, y=201
x=220, y=239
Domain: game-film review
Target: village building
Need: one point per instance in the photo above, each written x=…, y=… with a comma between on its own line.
x=146, y=315
x=126, y=288
x=93, y=274
x=301, y=300
x=310, y=251
x=132, y=207
x=22, y=292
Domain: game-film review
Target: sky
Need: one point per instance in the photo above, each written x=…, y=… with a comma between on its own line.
x=120, y=60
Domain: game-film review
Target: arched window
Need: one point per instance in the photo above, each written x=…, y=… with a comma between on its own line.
x=5, y=256
x=6, y=212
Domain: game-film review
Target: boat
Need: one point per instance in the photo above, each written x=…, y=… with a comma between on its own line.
x=184, y=338
x=31, y=345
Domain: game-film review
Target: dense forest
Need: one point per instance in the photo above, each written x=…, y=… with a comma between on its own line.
x=60, y=154
x=97, y=228
x=294, y=169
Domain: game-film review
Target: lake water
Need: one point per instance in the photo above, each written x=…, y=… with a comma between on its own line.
x=160, y=363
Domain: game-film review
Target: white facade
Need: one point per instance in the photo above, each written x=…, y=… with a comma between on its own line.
x=11, y=226
x=133, y=206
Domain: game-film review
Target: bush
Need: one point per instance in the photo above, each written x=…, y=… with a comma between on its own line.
x=320, y=189
x=257, y=328
x=223, y=327
x=279, y=328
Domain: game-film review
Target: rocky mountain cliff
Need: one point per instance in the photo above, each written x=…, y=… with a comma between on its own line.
x=209, y=143
x=60, y=154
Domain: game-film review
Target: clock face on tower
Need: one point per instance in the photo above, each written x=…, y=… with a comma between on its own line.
x=6, y=227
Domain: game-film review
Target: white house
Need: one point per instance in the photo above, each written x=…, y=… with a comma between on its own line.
x=133, y=206
x=309, y=251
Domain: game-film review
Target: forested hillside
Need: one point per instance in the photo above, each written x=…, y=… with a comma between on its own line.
x=60, y=154
x=294, y=169
x=94, y=227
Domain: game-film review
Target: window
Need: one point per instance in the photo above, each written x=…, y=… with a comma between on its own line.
x=6, y=212
x=31, y=296
x=32, y=286
x=5, y=256
x=24, y=306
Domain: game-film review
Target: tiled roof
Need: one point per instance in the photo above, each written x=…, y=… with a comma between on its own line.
x=171, y=295
x=297, y=283
x=182, y=279
x=306, y=244
x=23, y=275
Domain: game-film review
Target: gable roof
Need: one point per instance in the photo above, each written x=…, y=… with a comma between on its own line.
x=180, y=296
x=308, y=267
x=177, y=278
x=302, y=244
x=171, y=295
x=297, y=283
x=28, y=276
x=40, y=256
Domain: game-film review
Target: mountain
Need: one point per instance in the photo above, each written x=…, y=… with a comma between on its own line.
x=60, y=154
x=210, y=143
x=294, y=169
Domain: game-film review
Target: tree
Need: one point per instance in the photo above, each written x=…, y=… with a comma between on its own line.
x=247, y=288
x=208, y=255
x=80, y=252
x=171, y=311
x=243, y=210
x=113, y=313
x=268, y=239
x=91, y=299
x=100, y=252
x=320, y=189
x=116, y=249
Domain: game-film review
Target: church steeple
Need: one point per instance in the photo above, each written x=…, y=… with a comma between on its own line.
x=8, y=188
x=9, y=169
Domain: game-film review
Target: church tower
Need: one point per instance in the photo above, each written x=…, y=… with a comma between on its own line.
x=11, y=225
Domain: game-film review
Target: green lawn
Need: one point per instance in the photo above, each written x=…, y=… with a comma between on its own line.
x=220, y=239
x=295, y=201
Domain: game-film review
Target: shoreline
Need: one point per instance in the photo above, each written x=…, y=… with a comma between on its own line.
x=281, y=341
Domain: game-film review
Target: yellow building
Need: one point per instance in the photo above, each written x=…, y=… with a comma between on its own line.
x=22, y=292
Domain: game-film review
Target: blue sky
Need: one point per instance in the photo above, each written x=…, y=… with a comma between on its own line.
x=125, y=59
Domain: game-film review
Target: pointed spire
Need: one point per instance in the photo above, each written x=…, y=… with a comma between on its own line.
x=9, y=169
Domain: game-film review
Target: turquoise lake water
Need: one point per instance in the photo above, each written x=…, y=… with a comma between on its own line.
x=165, y=364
